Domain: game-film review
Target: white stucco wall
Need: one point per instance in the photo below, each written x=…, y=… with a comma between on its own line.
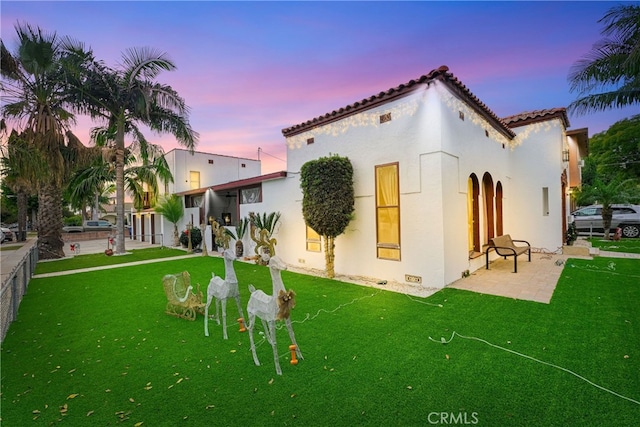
x=436, y=151
x=223, y=169
x=535, y=164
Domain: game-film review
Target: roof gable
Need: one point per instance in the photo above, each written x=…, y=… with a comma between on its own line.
x=441, y=74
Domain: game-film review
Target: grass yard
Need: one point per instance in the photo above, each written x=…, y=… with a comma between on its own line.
x=96, y=348
x=99, y=260
x=631, y=246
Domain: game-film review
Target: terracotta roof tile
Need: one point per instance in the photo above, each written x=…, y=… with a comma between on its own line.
x=537, y=116
x=441, y=73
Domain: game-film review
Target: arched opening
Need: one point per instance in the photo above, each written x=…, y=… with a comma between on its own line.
x=473, y=213
x=487, y=189
x=499, y=227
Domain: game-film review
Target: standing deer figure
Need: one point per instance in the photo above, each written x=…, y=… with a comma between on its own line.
x=270, y=308
x=222, y=290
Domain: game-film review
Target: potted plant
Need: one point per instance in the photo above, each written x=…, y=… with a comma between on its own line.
x=196, y=237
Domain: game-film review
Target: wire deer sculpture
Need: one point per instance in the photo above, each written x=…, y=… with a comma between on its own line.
x=222, y=290
x=270, y=308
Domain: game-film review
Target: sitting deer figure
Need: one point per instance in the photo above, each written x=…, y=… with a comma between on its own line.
x=222, y=290
x=270, y=308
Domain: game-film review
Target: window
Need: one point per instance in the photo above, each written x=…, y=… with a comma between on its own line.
x=388, y=212
x=545, y=201
x=313, y=240
x=194, y=180
x=193, y=201
x=251, y=195
x=590, y=211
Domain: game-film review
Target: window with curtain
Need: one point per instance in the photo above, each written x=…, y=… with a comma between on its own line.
x=388, y=211
x=194, y=180
x=313, y=240
x=251, y=195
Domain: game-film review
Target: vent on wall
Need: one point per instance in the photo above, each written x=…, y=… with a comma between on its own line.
x=461, y=115
x=310, y=141
x=385, y=118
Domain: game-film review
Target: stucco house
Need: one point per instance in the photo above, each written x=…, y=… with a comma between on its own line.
x=436, y=175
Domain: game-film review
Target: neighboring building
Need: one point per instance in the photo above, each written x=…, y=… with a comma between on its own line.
x=578, y=150
x=193, y=176
x=436, y=175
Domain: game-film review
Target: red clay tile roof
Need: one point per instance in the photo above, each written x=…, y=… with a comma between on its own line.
x=537, y=116
x=442, y=73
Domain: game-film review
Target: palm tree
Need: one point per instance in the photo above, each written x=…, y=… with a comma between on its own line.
x=90, y=187
x=171, y=208
x=127, y=98
x=16, y=167
x=609, y=76
x=606, y=194
x=93, y=184
x=35, y=93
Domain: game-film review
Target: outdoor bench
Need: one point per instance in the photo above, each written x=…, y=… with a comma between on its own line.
x=505, y=247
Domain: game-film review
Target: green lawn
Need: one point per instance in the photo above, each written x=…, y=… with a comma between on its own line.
x=96, y=348
x=100, y=259
x=631, y=246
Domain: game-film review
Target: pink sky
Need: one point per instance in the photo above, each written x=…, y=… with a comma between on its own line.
x=249, y=69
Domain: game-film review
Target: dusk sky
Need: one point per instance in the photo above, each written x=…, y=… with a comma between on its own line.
x=249, y=69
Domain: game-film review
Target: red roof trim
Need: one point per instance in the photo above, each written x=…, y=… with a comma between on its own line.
x=237, y=184
x=529, y=117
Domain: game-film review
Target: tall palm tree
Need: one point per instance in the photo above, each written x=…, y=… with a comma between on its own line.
x=35, y=92
x=609, y=75
x=127, y=98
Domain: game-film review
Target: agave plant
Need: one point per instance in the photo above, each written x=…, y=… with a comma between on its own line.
x=262, y=228
x=266, y=222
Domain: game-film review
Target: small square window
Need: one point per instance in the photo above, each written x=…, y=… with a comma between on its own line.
x=385, y=118
x=310, y=141
x=461, y=115
x=210, y=161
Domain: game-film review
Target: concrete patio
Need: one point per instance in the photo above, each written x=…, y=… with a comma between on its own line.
x=534, y=281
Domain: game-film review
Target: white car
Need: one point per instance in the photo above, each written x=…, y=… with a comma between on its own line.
x=626, y=217
x=6, y=236
x=92, y=225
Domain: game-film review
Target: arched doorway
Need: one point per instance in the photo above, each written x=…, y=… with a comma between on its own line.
x=499, y=227
x=487, y=189
x=473, y=213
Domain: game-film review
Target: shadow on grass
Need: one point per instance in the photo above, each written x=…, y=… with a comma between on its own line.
x=97, y=349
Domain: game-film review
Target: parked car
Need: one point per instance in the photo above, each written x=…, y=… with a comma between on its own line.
x=6, y=236
x=625, y=217
x=93, y=225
